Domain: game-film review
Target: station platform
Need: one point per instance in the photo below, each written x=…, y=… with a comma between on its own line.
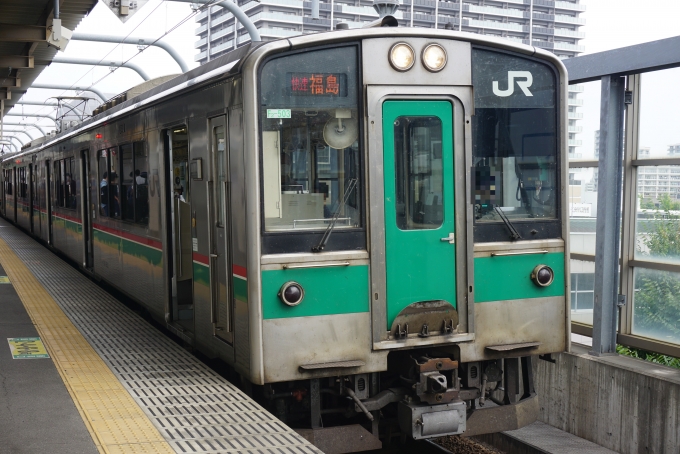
x=106, y=380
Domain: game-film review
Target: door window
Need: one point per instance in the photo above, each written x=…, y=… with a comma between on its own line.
x=418, y=172
x=221, y=172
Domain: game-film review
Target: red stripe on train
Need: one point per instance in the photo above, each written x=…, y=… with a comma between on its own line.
x=130, y=236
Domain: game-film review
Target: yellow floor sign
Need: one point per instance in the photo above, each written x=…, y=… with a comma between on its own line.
x=27, y=348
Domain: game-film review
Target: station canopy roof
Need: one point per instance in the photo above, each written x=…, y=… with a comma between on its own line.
x=24, y=52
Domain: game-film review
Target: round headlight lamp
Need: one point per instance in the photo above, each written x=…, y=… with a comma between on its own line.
x=291, y=293
x=543, y=275
x=434, y=58
x=402, y=57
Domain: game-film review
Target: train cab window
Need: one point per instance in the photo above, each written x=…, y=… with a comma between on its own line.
x=514, y=147
x=310, y=131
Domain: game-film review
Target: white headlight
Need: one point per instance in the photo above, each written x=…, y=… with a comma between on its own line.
x=402, y=57
x=434, y=57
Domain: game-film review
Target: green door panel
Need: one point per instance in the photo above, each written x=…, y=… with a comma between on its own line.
x=508, y=277
x=333, y=290
x=419, y=203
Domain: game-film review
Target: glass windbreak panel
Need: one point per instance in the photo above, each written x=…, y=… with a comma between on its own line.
x=514, y=138
x=582, y=209
x=418, y=173
x=310, y=131
x=127, y=183
x=583, y=121
x=582, y=291
x=657, y=224
x=656, y=305
x=659, y=98
x=221, y=172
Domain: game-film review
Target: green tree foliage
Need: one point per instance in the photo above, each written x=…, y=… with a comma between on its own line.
x=648, y=356
x=657, y=296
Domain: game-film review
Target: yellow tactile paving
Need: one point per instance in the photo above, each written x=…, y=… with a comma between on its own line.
x=114, y=419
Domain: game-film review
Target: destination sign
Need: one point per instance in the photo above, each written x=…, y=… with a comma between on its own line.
x=318, y=84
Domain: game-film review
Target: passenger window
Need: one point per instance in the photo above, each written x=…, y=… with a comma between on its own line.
x=103, y=182
x=141, y=182
x=114, y=184
x=22, y=183
x=58, y=178
x=69, y=182
x=127, y=183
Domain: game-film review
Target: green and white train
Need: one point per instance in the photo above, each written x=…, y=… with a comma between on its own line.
x=368, y=226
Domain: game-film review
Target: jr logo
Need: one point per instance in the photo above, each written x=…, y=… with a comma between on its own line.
x=523, y=84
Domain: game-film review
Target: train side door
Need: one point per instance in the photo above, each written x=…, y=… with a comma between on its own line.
x=220, y=251
x=48, y=199
x=419, y=207
x=31, y=196
x=87, y=208
x=179, y=222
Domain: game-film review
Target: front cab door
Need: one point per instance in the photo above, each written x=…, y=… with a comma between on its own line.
x=420, y=249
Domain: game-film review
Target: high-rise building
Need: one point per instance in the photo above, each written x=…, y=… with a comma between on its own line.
x=548, y=24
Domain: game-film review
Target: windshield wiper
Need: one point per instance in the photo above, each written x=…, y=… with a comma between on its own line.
x=514, y=234
x=324, y=239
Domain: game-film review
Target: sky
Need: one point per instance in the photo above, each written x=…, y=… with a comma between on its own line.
x=609, y=24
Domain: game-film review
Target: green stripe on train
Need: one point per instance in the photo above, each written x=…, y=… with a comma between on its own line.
x=148, y=253
x=202, y=277
x=240, y=289
x=327, y=291
x=201, y=274
x=508, y=277
x=66, y=224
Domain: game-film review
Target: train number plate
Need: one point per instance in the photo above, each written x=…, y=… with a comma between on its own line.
x=278, y=113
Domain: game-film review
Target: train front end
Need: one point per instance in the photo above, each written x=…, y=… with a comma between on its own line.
x=411, y=217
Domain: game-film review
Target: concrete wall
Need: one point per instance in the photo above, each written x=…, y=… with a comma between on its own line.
x=624, y=404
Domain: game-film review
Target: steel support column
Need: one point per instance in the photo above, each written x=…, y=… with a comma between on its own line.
x=608, y=226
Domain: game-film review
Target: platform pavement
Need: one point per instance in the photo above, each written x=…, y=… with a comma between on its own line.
x=37, y=414
x=143, y=396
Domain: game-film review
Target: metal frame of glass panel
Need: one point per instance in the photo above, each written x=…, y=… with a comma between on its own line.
x=582, y=69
